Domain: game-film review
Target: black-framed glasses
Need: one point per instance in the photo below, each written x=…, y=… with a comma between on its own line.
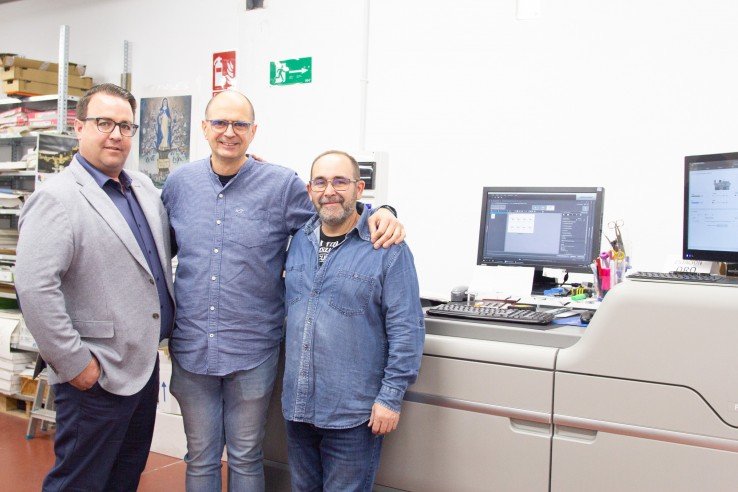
x=106, y=125
x=339, y=183
x=238, y=126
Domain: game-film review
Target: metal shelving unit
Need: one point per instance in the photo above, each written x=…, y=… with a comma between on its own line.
x=13, y=148
x=20, y=144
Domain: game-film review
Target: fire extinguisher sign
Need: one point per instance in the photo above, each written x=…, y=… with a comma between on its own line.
x=224, y=71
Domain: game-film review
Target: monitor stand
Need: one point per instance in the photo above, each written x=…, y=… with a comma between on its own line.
x=541, y=283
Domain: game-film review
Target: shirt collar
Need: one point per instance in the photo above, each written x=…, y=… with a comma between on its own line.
x=361, y=227
x=244, y=168
x=100, y=177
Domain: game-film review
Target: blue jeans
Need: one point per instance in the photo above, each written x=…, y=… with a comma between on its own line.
x=332, y=459
x=225, y=410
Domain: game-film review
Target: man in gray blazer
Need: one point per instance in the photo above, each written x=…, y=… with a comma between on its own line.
x=93, y=276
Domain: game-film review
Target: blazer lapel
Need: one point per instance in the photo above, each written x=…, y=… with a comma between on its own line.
x=101, y=202
x=152, y=211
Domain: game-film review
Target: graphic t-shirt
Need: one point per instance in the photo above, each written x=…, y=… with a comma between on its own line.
x=328, y=244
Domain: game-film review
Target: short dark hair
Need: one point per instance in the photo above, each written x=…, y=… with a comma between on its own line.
x=354, y=164
x=231, y=91
x=110, y=90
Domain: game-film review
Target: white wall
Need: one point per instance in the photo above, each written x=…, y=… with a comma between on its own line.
x=172, y=43
x=461, y=95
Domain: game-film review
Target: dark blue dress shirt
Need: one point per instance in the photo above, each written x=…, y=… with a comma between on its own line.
x=127, y=203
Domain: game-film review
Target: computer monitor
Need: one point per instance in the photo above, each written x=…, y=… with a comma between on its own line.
x=541, y=227
x=710, y=230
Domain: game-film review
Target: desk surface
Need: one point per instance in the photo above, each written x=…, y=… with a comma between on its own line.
x=557, y=336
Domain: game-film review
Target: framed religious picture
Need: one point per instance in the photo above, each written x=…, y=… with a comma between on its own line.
x=164, y=136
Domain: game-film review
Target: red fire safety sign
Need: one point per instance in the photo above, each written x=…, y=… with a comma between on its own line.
x=224, y=71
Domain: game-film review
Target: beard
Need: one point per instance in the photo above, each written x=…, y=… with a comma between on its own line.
x=334, y=216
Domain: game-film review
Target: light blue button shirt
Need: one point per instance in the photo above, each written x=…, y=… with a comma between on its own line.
x=355, y=328
x=231, y=244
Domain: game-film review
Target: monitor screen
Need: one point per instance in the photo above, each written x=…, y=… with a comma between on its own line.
x=711, y=207
x=541, y=227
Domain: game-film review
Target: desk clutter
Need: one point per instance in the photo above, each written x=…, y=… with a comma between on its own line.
x=610, y=267
x=528, y=310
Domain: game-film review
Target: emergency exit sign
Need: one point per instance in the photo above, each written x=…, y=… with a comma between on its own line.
x=288, y=72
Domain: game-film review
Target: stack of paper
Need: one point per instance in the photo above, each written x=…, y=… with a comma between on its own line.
x=12, y=363
x=8, y=239
x=13, y=166
x=28, y=161
x=13, y=122
x=47, y=119
x=10, y=200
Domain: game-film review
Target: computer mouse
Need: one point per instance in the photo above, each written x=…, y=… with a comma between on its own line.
x=586, y=316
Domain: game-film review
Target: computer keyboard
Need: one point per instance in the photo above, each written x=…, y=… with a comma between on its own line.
x=488, y=313
x=705, y=278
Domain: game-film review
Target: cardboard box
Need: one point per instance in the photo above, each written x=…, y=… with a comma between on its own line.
x=169, y=436
x=167, y=403
x=13, y=60
x=46, y=77
x=28, y=386
x=24, y=88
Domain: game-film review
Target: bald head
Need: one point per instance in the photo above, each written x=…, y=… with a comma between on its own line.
x=231, y=97
x=229, y=145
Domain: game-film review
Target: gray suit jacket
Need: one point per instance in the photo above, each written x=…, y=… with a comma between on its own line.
x=84, y=284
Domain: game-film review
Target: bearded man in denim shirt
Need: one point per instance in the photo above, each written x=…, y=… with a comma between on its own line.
x=232, y=217
x=354, y=336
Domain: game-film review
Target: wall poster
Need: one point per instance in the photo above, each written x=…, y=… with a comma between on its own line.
x=55, y=152
x=164, y=136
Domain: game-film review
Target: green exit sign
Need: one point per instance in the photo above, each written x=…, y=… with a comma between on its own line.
x=287, y=72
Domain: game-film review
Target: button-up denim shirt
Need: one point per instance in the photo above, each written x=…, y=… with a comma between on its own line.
x=355, y=328
x=231, y=244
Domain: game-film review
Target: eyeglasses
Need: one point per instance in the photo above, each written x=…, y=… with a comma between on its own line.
x=238, y=126
x=339, y=184
x=106, y=125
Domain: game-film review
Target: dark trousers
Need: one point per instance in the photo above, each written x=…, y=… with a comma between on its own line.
x=102, y=440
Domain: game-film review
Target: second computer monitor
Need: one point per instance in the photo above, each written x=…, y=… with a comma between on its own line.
x=711, y=207
x=541, y=227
